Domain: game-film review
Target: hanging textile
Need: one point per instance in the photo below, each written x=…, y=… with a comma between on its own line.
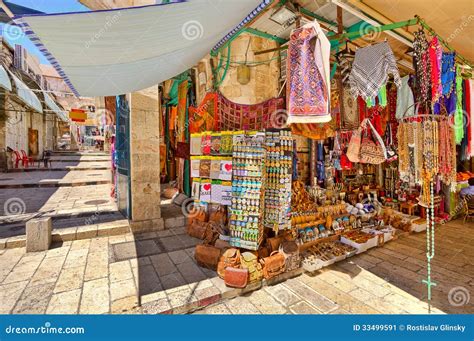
x=465, y=122
x=421, y=61
x=370, y=70
x=315, y=131
x=448, y=72
x=471, y=117
x=234, y=116
x=182, y=106
x=435, y=54
x=351, y=114
x=459, y=114
x=405, y=100
x=205, y=117
x=308, y=76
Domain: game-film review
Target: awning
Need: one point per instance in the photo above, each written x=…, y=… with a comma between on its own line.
x=4, y=80
x=54, y=107
x=15, y=9
x=112, y=52
x=26, y=95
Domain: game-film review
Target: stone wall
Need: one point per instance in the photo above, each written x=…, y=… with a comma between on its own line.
x=145, y=160
x=264, y=78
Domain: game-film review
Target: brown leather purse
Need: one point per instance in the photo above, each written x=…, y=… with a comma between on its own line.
x=291, y=252
x=236, y=278
x=197, y=229
x=211, y=234
x=207, y=256
x=230, y=258
x=273, y=265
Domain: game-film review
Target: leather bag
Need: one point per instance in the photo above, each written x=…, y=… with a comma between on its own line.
x=207, y=256
x=273, y=265
x=197, y=229
x=372, y=152
x=249, y=261
x=274, y=242
x=291, y=253
x=230, y=258
x=211, y=234
x=236, y=278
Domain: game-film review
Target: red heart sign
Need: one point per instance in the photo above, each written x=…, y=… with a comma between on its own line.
x=207, y=187
x=228, y=167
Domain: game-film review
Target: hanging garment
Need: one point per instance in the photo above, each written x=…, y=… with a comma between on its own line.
x=351, y=114
x=459, y=114
x=308, y=76
x=421, y=61
x=371, y=68
x=448, y=72
x=235, y=116
x=436, y=54
x=465, y=121
x=405, y=100
x=205, y=117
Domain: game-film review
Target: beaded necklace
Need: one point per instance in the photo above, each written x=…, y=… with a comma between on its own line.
x=421, y=60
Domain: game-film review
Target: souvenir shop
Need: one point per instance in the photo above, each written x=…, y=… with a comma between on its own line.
x=355, y=151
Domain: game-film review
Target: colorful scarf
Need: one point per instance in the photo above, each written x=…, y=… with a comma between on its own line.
x=308, y=85
x=206, y=116
x=459, y=114
x=448, y=72
x=436, y=53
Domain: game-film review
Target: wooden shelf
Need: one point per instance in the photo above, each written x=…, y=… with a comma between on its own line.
x=319, y=240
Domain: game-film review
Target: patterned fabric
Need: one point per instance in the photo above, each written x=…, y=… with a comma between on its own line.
x=308, y=85
x=234, y=116
x=351, y=115
x=459, y=114
x=370, y=70
x=448, y=72
x=421, y=61
x=206, y=116
x=435, y=53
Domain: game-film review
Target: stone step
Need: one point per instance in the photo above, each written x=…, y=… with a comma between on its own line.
x=112, y=228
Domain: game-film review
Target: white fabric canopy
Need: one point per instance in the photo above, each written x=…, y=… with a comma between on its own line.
x=4, y=80
x=115, y=52
x=54, y=107
x=27, y=95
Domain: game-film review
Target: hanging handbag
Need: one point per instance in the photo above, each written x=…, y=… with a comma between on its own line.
x=211, y=234
x=370, y=151
x=207, y=256
x=273, y=265
x=391, y=154
x=197, y=229
x=353, y=150
x=236, y=278
x=291, y=253
x=230, y=258
x=249, y=261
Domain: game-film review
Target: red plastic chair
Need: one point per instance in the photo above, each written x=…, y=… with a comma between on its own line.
x=19, y=158
x=28, y=159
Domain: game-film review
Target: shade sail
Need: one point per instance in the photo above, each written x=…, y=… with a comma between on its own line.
x=112, y=52
x=54, y=107
x=26, y=94
x=4, y=80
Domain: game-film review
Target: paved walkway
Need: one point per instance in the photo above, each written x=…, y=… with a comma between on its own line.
x=54, y=178
x=64, y=166
x=106, y=275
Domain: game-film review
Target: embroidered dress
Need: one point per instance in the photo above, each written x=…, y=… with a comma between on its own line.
x=308, y=83
x=370, y=70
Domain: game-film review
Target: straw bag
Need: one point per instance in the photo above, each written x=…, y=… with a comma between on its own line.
x=372, y=152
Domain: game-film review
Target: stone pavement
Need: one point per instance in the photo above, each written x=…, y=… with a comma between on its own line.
x=64, y=166
x=110, y=274
x=48, y=178
x=384, y=280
